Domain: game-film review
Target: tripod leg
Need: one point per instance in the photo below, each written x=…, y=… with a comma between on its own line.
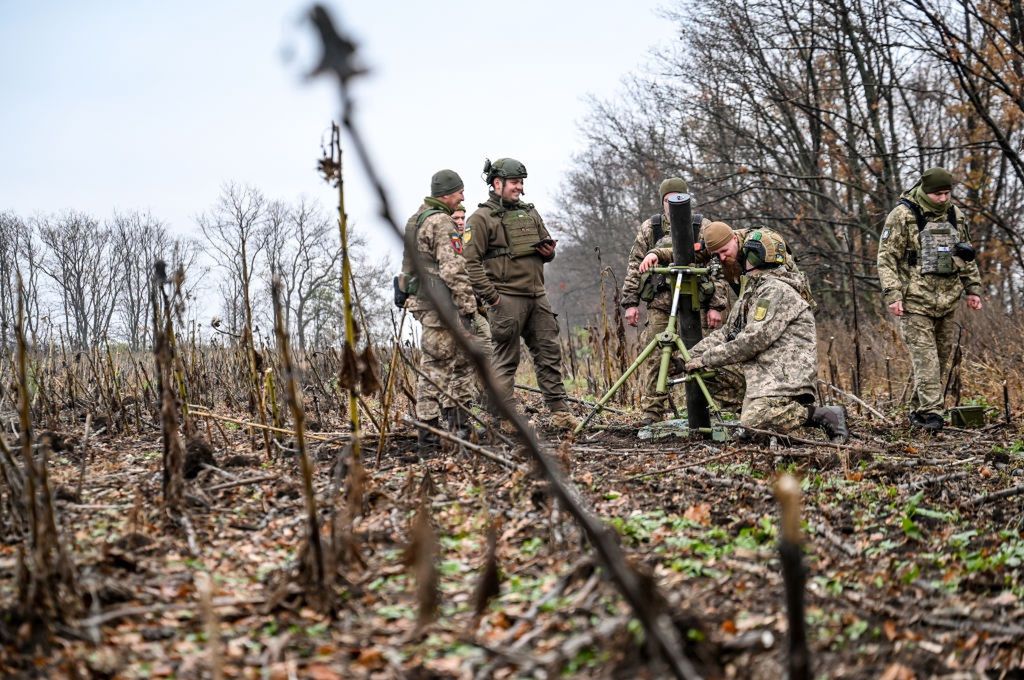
x=712, y=404
x=618, y=383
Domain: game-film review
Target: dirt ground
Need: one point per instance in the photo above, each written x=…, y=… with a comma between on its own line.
x=914, y=567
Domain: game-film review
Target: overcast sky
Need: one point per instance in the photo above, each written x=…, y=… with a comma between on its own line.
x=144, y=105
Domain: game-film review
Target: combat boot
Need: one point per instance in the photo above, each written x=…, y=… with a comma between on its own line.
x=428, y=441
x=563, y=420
x=651, y=417
x=458, y=422
x=832, y=419
x=933, y=422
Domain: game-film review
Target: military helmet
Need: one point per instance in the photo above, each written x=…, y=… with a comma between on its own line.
x=764, y=249
x=506, y=168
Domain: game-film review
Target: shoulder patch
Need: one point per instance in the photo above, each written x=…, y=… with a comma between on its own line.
x=885, y=233
x=467, y=235
x=456, y=242
x=761, y=310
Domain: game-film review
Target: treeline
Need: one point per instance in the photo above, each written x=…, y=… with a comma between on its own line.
x=86, y=281
x=811, y=117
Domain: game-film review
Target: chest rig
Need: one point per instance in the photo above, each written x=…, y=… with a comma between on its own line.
x=522, y=232
x=937, y=241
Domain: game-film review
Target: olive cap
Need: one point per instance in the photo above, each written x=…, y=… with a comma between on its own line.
x=673, y=184
x=445, y=182
x=934, y=180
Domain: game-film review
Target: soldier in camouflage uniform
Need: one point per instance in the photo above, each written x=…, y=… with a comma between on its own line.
x=925, y=264
x=432, y=235
x=766, y=353
x=507, y=246
x=656, y=291
x=722, y=241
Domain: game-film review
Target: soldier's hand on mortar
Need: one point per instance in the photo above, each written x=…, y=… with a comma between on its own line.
x=648, y=262
x=633, y=316
x=694, y=364
x=974, y=301
x=714, y=318
x=897, y=308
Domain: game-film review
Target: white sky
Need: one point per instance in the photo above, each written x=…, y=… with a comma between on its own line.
x=146, y=105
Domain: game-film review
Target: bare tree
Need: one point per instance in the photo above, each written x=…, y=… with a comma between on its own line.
x=139, y=241
x=80, y=263
x=235, y=230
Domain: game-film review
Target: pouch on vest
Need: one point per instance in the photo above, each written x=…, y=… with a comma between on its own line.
x=937, y=241
x=400, y=295
x=651, y=283
x=521, y=232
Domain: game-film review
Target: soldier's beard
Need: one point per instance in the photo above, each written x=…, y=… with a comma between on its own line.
x=731, y=270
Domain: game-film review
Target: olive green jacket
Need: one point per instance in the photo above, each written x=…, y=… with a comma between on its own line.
x=493, y=275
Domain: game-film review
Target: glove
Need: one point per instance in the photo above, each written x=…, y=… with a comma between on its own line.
x=467, y=322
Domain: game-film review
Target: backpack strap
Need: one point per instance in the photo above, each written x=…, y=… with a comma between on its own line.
x=919, y=216
x=656, y=229
x=422, y=217
x=915, y=211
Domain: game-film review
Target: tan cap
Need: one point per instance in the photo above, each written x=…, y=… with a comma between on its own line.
x=716, y=235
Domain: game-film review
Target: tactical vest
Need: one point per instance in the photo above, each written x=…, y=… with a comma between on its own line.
x=652, y=283
x=408, y=283
x=522, y=232
x=937, y=240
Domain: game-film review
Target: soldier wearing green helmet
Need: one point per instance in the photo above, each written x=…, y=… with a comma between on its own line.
x=925, y=265
x=506, y=248
x=765, y=355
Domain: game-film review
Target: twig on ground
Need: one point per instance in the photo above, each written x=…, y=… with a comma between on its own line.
x=857, y=400
x=444, y=434
x=981, y=499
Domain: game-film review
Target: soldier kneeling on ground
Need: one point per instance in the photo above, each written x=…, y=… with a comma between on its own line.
x=765, y=356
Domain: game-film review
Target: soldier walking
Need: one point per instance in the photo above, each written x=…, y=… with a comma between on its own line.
x=925, y=264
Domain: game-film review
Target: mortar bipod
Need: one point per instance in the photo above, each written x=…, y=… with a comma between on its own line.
x=668, y=341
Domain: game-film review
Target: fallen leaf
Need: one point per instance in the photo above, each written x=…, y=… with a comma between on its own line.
x=897, y=671
x=699, y=513
x=371, y=658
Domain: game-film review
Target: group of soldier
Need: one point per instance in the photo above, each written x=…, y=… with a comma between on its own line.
x=492, y=271
x=759, y=352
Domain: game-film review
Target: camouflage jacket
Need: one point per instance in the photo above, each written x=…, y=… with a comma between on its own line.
x=929, y=294
x=770, y=335
x=643, y=244
x=440, y=245
x=492, y=270
x=720, y=299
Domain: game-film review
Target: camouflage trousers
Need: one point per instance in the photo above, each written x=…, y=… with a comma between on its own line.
x=531, y=319
x=929, y=340
x=778, y=414
x=443, y=364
